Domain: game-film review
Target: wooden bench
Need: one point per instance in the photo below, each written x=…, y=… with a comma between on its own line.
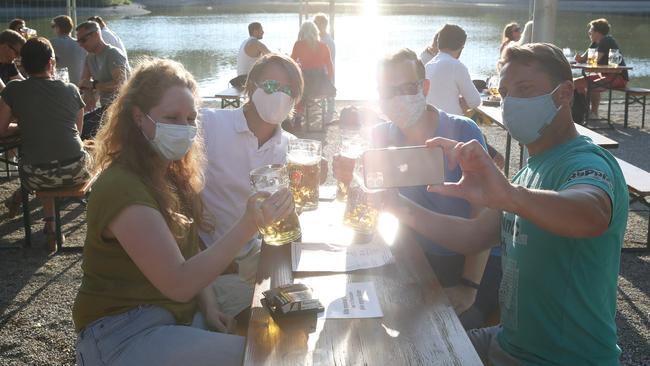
x=230, y=97
x=638, y=186
x=78, y=191
x=633, y=95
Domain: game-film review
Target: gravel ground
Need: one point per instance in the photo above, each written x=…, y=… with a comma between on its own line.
x=37, y=290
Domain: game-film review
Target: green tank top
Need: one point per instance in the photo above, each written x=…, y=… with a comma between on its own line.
x=112, y=283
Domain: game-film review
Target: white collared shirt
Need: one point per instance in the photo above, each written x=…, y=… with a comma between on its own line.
x=232, y=152
x=450, y=79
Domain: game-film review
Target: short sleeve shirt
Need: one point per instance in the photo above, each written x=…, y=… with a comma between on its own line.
x=111, y=282
x=49, y=131
x=449, y=126
x=101, y=66
x=7, y=71
x=558, y=294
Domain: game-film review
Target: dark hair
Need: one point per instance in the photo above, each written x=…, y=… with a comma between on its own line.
x=89, y=26
x=16, y=24
x=600, y=25
x=253, y=27
x=11, y=38
x=451, y=37
x=97, y=19
x=403, y=55
x=35, y=55
x=64, y=23
x=546, y=57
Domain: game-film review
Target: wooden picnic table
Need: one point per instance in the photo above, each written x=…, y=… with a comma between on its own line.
x=494, y=114
x=419, y=326
x=591, y=85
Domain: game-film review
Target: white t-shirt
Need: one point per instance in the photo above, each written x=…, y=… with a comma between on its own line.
x=114, y=40
x=450, y=79
x=232, y=152
x=244, y=61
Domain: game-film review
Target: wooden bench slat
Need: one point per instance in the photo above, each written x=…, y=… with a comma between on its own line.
x=638, y=180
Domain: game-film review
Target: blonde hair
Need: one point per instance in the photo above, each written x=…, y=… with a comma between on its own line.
x=309, y=32
x=175, y=185
x=507, y=36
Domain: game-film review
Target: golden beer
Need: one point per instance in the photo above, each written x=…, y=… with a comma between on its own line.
x=592, y=57
x=303, y=166
x=271, y=178
x=360, y=214
x=352, y=146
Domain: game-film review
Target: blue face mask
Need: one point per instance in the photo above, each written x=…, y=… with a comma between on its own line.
x=525, y=118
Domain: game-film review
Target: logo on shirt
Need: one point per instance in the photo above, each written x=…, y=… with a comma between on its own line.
x=591, y=173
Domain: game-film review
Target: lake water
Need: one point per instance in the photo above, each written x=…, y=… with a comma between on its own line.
x=207, y=42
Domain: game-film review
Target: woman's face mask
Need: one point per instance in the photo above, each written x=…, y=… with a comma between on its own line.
x=172, y=141
x=273, y=101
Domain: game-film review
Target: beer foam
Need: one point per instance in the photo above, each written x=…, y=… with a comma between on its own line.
x=302, y=158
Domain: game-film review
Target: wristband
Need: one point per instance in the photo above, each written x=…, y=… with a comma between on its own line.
x=465, y=282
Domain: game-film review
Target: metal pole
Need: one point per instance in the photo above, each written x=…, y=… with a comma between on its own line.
x=332, y=14
x=73, y=10
x=68, y=8
x=531, y=9
x=301, y=10
x=544, y=20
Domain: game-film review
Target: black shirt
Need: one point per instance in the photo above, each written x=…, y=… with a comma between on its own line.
x=606, y=43
x=7, y=71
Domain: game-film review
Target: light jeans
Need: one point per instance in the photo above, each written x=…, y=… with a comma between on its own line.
x=149, y=335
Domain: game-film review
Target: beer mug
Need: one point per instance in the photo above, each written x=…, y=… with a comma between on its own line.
x=493, y=86
x=592, y=56
x=62, y=74
x=361, y=211
x=352, y=146
x=615, y=57
x=303, y=164
x=272, y=178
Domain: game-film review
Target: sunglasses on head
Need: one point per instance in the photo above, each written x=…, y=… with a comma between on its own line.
x=273, y=86
x=85, y=38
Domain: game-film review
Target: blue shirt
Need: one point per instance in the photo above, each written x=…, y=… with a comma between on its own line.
x=449, y=126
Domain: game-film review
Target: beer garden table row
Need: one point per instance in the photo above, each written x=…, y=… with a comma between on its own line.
x=419, y=326
x=591, y=85
x=494, y=114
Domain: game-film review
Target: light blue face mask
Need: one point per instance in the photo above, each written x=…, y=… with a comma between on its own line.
x=525, y=118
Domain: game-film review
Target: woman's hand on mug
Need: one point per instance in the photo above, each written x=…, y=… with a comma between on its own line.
x=267, y=209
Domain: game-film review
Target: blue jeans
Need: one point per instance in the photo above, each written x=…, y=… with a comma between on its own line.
x=149, y=335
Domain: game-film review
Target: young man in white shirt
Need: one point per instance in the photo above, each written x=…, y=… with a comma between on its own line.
x=236, y=142
x=451, y=88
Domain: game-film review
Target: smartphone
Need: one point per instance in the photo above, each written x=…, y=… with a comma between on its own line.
x=409, y=166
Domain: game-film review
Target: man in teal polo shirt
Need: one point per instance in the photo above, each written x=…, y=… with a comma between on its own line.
x=561, y=222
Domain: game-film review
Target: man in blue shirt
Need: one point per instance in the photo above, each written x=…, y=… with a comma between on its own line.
x=402, y=89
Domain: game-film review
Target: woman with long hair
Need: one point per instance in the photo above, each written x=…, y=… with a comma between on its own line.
x=144, y=296
x=511, y=35
x=314, y=59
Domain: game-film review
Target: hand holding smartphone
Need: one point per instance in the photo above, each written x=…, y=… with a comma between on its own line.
x=409, y=166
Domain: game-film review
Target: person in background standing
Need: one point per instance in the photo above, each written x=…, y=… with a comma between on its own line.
x=322, y=22
x=511, y=35
x=68, y=52
x=109, y=36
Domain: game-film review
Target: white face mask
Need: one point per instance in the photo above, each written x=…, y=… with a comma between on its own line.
x=273, y=108
x=172, y=141
x=404, y=110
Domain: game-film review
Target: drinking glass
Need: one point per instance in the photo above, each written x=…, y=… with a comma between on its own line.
x=361, y=211
x=352, y=146
x=567, y=53
x=615, y=57
x=303, y=164
x=493, y=86
x=62, y=74
x=592, y=56
x=272, y=178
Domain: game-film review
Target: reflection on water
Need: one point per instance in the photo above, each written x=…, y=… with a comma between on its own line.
x=207, y=42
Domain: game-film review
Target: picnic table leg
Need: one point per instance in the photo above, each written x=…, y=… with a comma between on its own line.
x=609, y=106
x=57, y=224
x=506, y=168
x=587, y=96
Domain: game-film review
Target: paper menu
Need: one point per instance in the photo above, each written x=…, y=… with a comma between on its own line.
x=321, y=257
x=360, y=301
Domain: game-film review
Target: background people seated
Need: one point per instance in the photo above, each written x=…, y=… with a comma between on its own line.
x=249, y=52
